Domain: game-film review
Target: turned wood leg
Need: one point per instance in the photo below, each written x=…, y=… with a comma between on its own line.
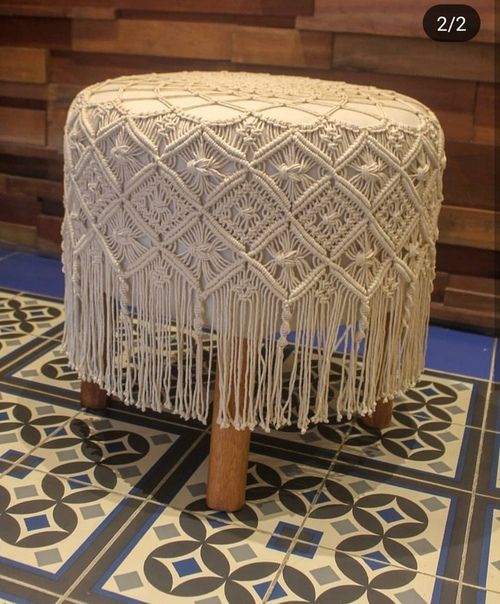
x=228, y=461
x=92, y=397
x=381, y=417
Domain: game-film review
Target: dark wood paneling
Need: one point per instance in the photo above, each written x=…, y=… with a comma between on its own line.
x=18, y=209
x=458, y=260
x=160, y=38
x=37, y=32
x=454, y=60
x=23, y=64
x=274, y=46
x=244, y=7
x=387, y=17
x=469, y=177
x=22, y=125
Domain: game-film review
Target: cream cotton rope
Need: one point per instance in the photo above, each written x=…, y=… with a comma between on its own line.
x=206, y=209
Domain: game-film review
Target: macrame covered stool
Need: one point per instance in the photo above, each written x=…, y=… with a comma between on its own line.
x=214, y=218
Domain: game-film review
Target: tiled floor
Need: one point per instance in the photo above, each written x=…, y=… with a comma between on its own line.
x=110, y=508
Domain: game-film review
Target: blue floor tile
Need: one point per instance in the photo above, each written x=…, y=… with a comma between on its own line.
x=5, y=252
x=459, y=352
x=32, y=273
x=496, y=368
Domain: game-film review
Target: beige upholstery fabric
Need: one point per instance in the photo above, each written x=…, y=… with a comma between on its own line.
x=236, y=205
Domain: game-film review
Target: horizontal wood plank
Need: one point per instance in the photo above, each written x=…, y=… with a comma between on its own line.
x=467, y=227
x=469, y=176
x=245, y=7
x=20, y=90
x=22, y=125
x=383, y=54
x=21, y=235
x=460, y=260
x=278, y=46
x=386, y=18
x=160, y=38
x=31, y=187
x=35, y=31
x=452, y=316
x=18, y=209
x=23, y=64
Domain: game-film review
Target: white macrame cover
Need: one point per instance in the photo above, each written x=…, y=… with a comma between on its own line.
x=237, y=206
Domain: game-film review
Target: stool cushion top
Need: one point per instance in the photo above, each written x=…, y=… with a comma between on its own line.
x=215, y=217
x=225, y=96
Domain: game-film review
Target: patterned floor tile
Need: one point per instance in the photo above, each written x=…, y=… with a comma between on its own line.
x=104, y=451
x=28, y=315
x=489, y=469
x=493, y=416
x=167, y=555
x=329, y=577
x=279, y=493
x=418, y=443
x=392, y=521
x=26, y=423
x=16, y=593
x=47, y=524
x=482, y=567
x=474, y=595
x=49, y=369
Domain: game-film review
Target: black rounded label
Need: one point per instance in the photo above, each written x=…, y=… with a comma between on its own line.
x=451, y=22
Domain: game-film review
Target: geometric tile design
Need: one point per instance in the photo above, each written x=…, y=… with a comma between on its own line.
x=41, y=532
x=338, y=577
x=111, y=506
x=26, y=423
x=390, y=523
x=25, y=315
x=220, y=561
x=105, y=452
x=428, y=435
x=51, y=369
x=276, y=502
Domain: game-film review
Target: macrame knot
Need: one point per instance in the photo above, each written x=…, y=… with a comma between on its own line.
x=168, y=123
x=249, y=132
x=390, y=286
x=331, y=136
x=364, y=259
x=120, y=153
x=245, y=290
x=332, y=217
x=123, y=235
x=202, y=250
x=294, y=172
x=201, y=165
x=286, y=315
x=160, y=276
x=286, y=258
x=123, y=290
x=370, y=171
x=198, y=316
x=395, y=135
x=421, y=172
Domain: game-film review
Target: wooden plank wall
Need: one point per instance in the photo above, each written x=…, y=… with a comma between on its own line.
x=49, y=50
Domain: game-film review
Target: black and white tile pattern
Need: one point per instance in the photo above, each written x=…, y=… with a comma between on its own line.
x=110, y=507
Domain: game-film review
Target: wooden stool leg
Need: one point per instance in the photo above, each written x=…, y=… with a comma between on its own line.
x=228, y=461
x=92, y=397
x=381, y=417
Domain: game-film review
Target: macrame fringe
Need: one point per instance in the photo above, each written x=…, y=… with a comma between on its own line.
x=143, y=341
